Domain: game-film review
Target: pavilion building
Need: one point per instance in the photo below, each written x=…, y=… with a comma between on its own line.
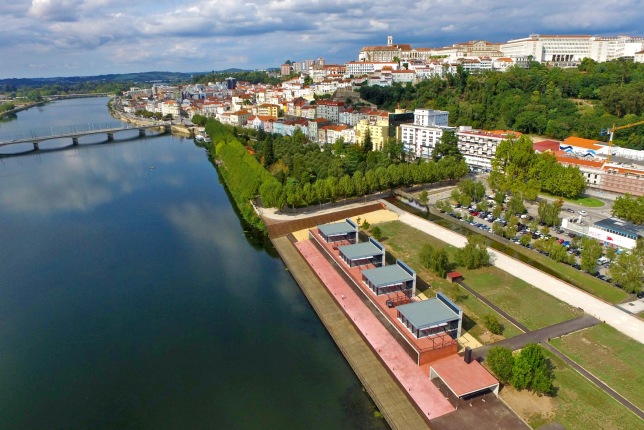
x=430, y=317
x=363, y=254
x=345, y=232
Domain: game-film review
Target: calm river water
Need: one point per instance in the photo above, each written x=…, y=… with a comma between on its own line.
x=132, y=296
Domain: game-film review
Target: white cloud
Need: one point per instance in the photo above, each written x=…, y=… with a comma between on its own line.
x=217, y=34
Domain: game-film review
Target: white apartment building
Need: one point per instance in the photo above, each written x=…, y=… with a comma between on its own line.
x=359, y=68
x=623, y=46
x=421, y=137
x=431, y=117
x=639, y=57
x=479, y=146
x=170, y=108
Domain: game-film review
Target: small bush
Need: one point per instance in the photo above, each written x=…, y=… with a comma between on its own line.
x=492, y=323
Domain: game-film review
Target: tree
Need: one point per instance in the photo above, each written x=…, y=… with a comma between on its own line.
x=269, y=155
x=627, y=270
x=501, y=362
x=525, y=240
x=630, y=208
x=492, y=323
x=426, y=255
x=474, y=254
x=448, y=146
x=611, y=253
x=376, y=233
x=545, y=230
x=338, y=146
x=521, y=373
x=367, y=144
x=423, y=198
x=558, y=252
x=440, y=262
x=589, y=255
x=496, y=212
x=515, y=204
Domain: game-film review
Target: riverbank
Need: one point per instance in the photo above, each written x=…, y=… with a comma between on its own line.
x=23, y=107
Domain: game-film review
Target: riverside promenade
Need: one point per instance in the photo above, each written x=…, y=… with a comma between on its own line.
x=394, y=403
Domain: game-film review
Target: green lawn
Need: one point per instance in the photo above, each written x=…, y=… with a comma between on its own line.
x=584, y=201
x=579, y=404
x=611, y=356
x=529, y=305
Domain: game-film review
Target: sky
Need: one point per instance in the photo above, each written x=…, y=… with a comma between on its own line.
x=47, y=38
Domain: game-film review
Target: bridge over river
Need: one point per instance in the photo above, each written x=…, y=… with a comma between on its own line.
x=36, y=140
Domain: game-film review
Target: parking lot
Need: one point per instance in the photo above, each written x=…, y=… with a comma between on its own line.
x=485, y=221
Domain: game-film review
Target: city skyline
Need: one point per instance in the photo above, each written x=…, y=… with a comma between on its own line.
x=45, y=38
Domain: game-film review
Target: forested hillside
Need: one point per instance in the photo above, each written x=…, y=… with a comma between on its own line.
x=548, y=101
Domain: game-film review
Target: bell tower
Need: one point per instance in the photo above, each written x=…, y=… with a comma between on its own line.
x=390, y=40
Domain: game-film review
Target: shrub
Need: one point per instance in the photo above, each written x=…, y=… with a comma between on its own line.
x=492, y=323
x=501, y=362
x=376, y=233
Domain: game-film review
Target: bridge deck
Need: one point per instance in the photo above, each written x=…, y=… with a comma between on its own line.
x=39, y=139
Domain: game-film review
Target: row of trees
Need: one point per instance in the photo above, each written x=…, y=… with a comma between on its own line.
x=549, y=212
x=296, y=193
x=530, y=369
x=627, y=270
x=630, y=208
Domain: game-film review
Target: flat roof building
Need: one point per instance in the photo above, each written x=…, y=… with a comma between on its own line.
x=346, y=231
x=362, y=254
x=463, y=379
x=391, y=279
x=433, y=316
x=616, y=232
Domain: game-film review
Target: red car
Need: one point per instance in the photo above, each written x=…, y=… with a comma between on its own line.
x=560, y=241
x=475, y=213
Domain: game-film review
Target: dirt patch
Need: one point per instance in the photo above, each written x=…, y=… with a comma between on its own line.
x=487, y=338
x=528, y=405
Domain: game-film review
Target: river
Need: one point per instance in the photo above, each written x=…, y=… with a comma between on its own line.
x=133, y=296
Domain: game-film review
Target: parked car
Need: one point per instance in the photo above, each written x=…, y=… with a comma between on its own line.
x=572, y=235
x=572, y=211
x=583, y=213
x=560, y=241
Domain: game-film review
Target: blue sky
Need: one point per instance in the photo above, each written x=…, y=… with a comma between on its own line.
x=44, y=38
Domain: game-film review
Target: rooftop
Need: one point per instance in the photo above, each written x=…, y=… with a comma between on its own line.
x=428, y=313
x=581, y=143
x=463, y=378
x=337, y=228
x=621, y=226
x=387, y=275
x=360, y=250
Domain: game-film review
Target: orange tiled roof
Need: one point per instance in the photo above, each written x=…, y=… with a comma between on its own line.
x=582, y=143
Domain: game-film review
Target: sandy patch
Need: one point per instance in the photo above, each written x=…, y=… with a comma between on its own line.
x=382, y=215
x=527, y=404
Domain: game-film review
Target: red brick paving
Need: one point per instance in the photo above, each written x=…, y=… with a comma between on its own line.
x=428, y=398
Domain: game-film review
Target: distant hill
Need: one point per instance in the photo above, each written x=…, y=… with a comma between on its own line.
x=144, y=77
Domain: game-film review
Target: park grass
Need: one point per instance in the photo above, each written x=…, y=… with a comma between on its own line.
x=589, y=202
x=527, y=304
x=611, y=356
x=579, y=404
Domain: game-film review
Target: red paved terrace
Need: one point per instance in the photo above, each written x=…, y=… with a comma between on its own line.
x=462, y=378
x=427, y=349
x=412, y=378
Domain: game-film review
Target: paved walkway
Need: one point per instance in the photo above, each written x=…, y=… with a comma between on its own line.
x=428, y=398
x=390, y=399
x=567, y=293
x=540, y=336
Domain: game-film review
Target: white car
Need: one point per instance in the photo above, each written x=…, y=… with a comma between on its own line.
x=583, y=213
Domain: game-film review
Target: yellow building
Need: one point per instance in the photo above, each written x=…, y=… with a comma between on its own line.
x=268, y=110
x=378, y=130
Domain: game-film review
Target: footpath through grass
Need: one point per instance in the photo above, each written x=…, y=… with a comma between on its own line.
x=579, y=404
x=532, y=307
x=589, y=202
x=611, y=356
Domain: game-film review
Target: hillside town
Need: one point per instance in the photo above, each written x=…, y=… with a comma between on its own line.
x=320, y=100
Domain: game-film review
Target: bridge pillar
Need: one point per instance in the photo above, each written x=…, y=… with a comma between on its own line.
x=110, y=137
x=36, y=147
x=74, y=141
x=141, y=132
